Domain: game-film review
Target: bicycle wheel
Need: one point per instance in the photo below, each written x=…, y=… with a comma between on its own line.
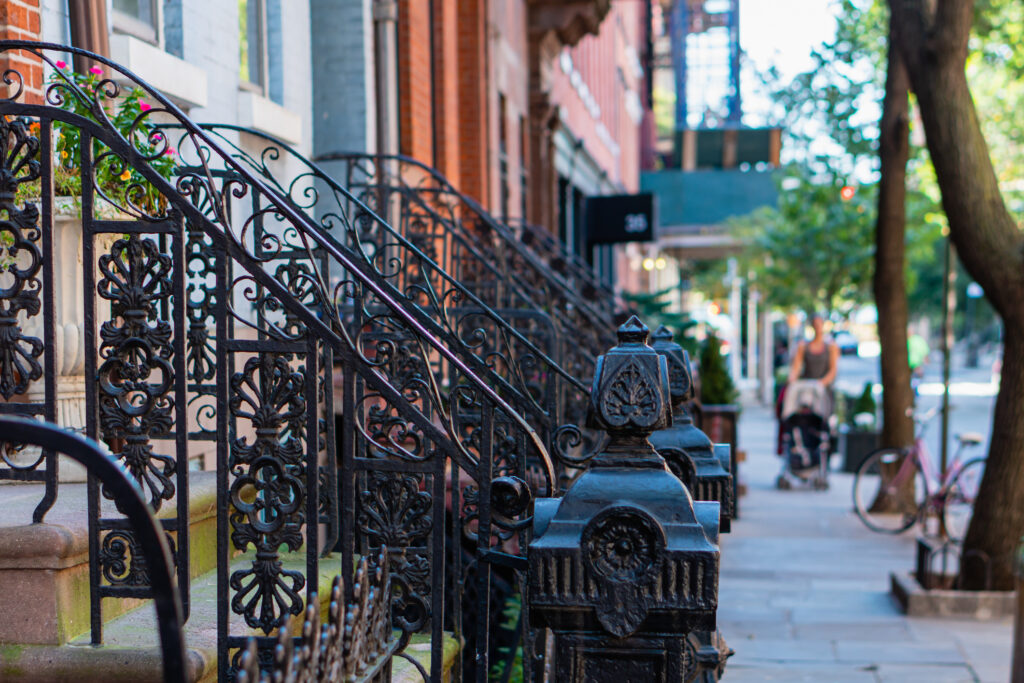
x=959, y=504
x=888, y=496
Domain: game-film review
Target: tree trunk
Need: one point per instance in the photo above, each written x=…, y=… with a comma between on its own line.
x=890, y=285
x=932, y=37
x=890, y=279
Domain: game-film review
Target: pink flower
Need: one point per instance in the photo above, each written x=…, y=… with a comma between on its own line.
x=96, y=70
x=169, y=152
x=144, y=106
x=61, y=65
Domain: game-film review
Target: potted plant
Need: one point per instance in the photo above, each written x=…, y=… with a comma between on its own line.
x=859, y=431
x=718, y=412
x=121, y=193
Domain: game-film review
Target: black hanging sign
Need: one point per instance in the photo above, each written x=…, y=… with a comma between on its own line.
x=612, y=219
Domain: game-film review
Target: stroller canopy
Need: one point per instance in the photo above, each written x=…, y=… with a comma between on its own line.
x=805, y=396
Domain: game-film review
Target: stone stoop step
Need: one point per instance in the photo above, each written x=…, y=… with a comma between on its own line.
x=131, y=651
x=44, y=568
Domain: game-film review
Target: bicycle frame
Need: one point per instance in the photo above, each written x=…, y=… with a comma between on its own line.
x=935, y=482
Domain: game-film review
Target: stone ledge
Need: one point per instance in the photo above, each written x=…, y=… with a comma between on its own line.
x=916, y=601
x=44, y=568
x=130, y=652
x=62, y=540
x=78, y=663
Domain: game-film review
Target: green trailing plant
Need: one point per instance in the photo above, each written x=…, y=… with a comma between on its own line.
x=114, y=178
x=716, y=386
x=512, y=612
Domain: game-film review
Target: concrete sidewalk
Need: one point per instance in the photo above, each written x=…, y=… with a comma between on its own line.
x=804, y=590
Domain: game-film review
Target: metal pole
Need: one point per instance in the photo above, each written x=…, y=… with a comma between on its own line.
x=974, y=292
x=949, y=298
x=735, y=304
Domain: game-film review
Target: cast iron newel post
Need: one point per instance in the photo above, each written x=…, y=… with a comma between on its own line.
x=625, y=565
x=703, y=468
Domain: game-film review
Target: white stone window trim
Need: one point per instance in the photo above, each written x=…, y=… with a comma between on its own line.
x=183, y=82
x=124, y=23
x=263, y=114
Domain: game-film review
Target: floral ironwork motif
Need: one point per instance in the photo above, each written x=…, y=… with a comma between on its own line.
x=630, y=398
x=623, y=547
x=268, y=490
x=21, y=260
x=394, y=511
x=136, y=376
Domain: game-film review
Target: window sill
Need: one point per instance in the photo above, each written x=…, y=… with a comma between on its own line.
x=266, y=116
x=182, y=82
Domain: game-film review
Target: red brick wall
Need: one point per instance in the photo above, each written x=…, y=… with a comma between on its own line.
x=473, y=87
x=599, y=59
x=414, y=110
x=19, y=20
x=446, y=77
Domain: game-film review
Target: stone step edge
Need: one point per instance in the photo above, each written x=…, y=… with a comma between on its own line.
x=115, y=661
x=59, y=545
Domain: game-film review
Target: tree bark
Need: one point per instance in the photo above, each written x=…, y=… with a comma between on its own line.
x=889, y=281
x=933, y=44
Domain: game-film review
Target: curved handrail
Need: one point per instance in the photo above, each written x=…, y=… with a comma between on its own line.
x=557, y=255
x=530, y=257
x=123, y=490
x=194, y=183
x=319, y=174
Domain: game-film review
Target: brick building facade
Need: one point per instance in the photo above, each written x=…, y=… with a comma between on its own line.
x=526, y=106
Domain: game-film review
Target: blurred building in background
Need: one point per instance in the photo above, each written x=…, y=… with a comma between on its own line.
x=526, y=106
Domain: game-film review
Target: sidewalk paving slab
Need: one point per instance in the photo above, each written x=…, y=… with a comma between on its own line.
x=804, y=591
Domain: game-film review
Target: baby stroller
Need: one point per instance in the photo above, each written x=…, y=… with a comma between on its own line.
x=806, y=406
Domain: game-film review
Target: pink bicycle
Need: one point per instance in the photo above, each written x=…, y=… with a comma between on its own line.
x=896, y=488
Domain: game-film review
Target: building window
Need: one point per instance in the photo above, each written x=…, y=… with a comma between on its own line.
x=139, y=18
x=524, y=177
x=503, y=156
x=252, y=40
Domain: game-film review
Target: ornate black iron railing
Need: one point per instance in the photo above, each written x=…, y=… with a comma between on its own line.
x=507, y=340
x=215, y=315
x=355, y=644
x=408, y=182
x=579, y=274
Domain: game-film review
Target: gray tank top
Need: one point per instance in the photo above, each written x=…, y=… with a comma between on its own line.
x=815, y=364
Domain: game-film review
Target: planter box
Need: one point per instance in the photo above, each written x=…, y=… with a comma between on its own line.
x=719, y=422
x=856, y=446
x=916, y=601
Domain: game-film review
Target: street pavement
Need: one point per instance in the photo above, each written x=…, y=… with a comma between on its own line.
x=804, y=586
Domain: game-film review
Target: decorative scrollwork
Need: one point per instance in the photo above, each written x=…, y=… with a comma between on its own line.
x=200, y=360
x=121, y=560
x=136, y=377
x=268, y=490
x=394, y=511
x=20, y=259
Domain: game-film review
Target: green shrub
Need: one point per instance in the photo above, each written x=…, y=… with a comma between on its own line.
x=716, y=386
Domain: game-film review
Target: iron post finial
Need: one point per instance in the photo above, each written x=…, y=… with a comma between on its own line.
x=680, y=373
x=606, y=559
x=630, y=399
